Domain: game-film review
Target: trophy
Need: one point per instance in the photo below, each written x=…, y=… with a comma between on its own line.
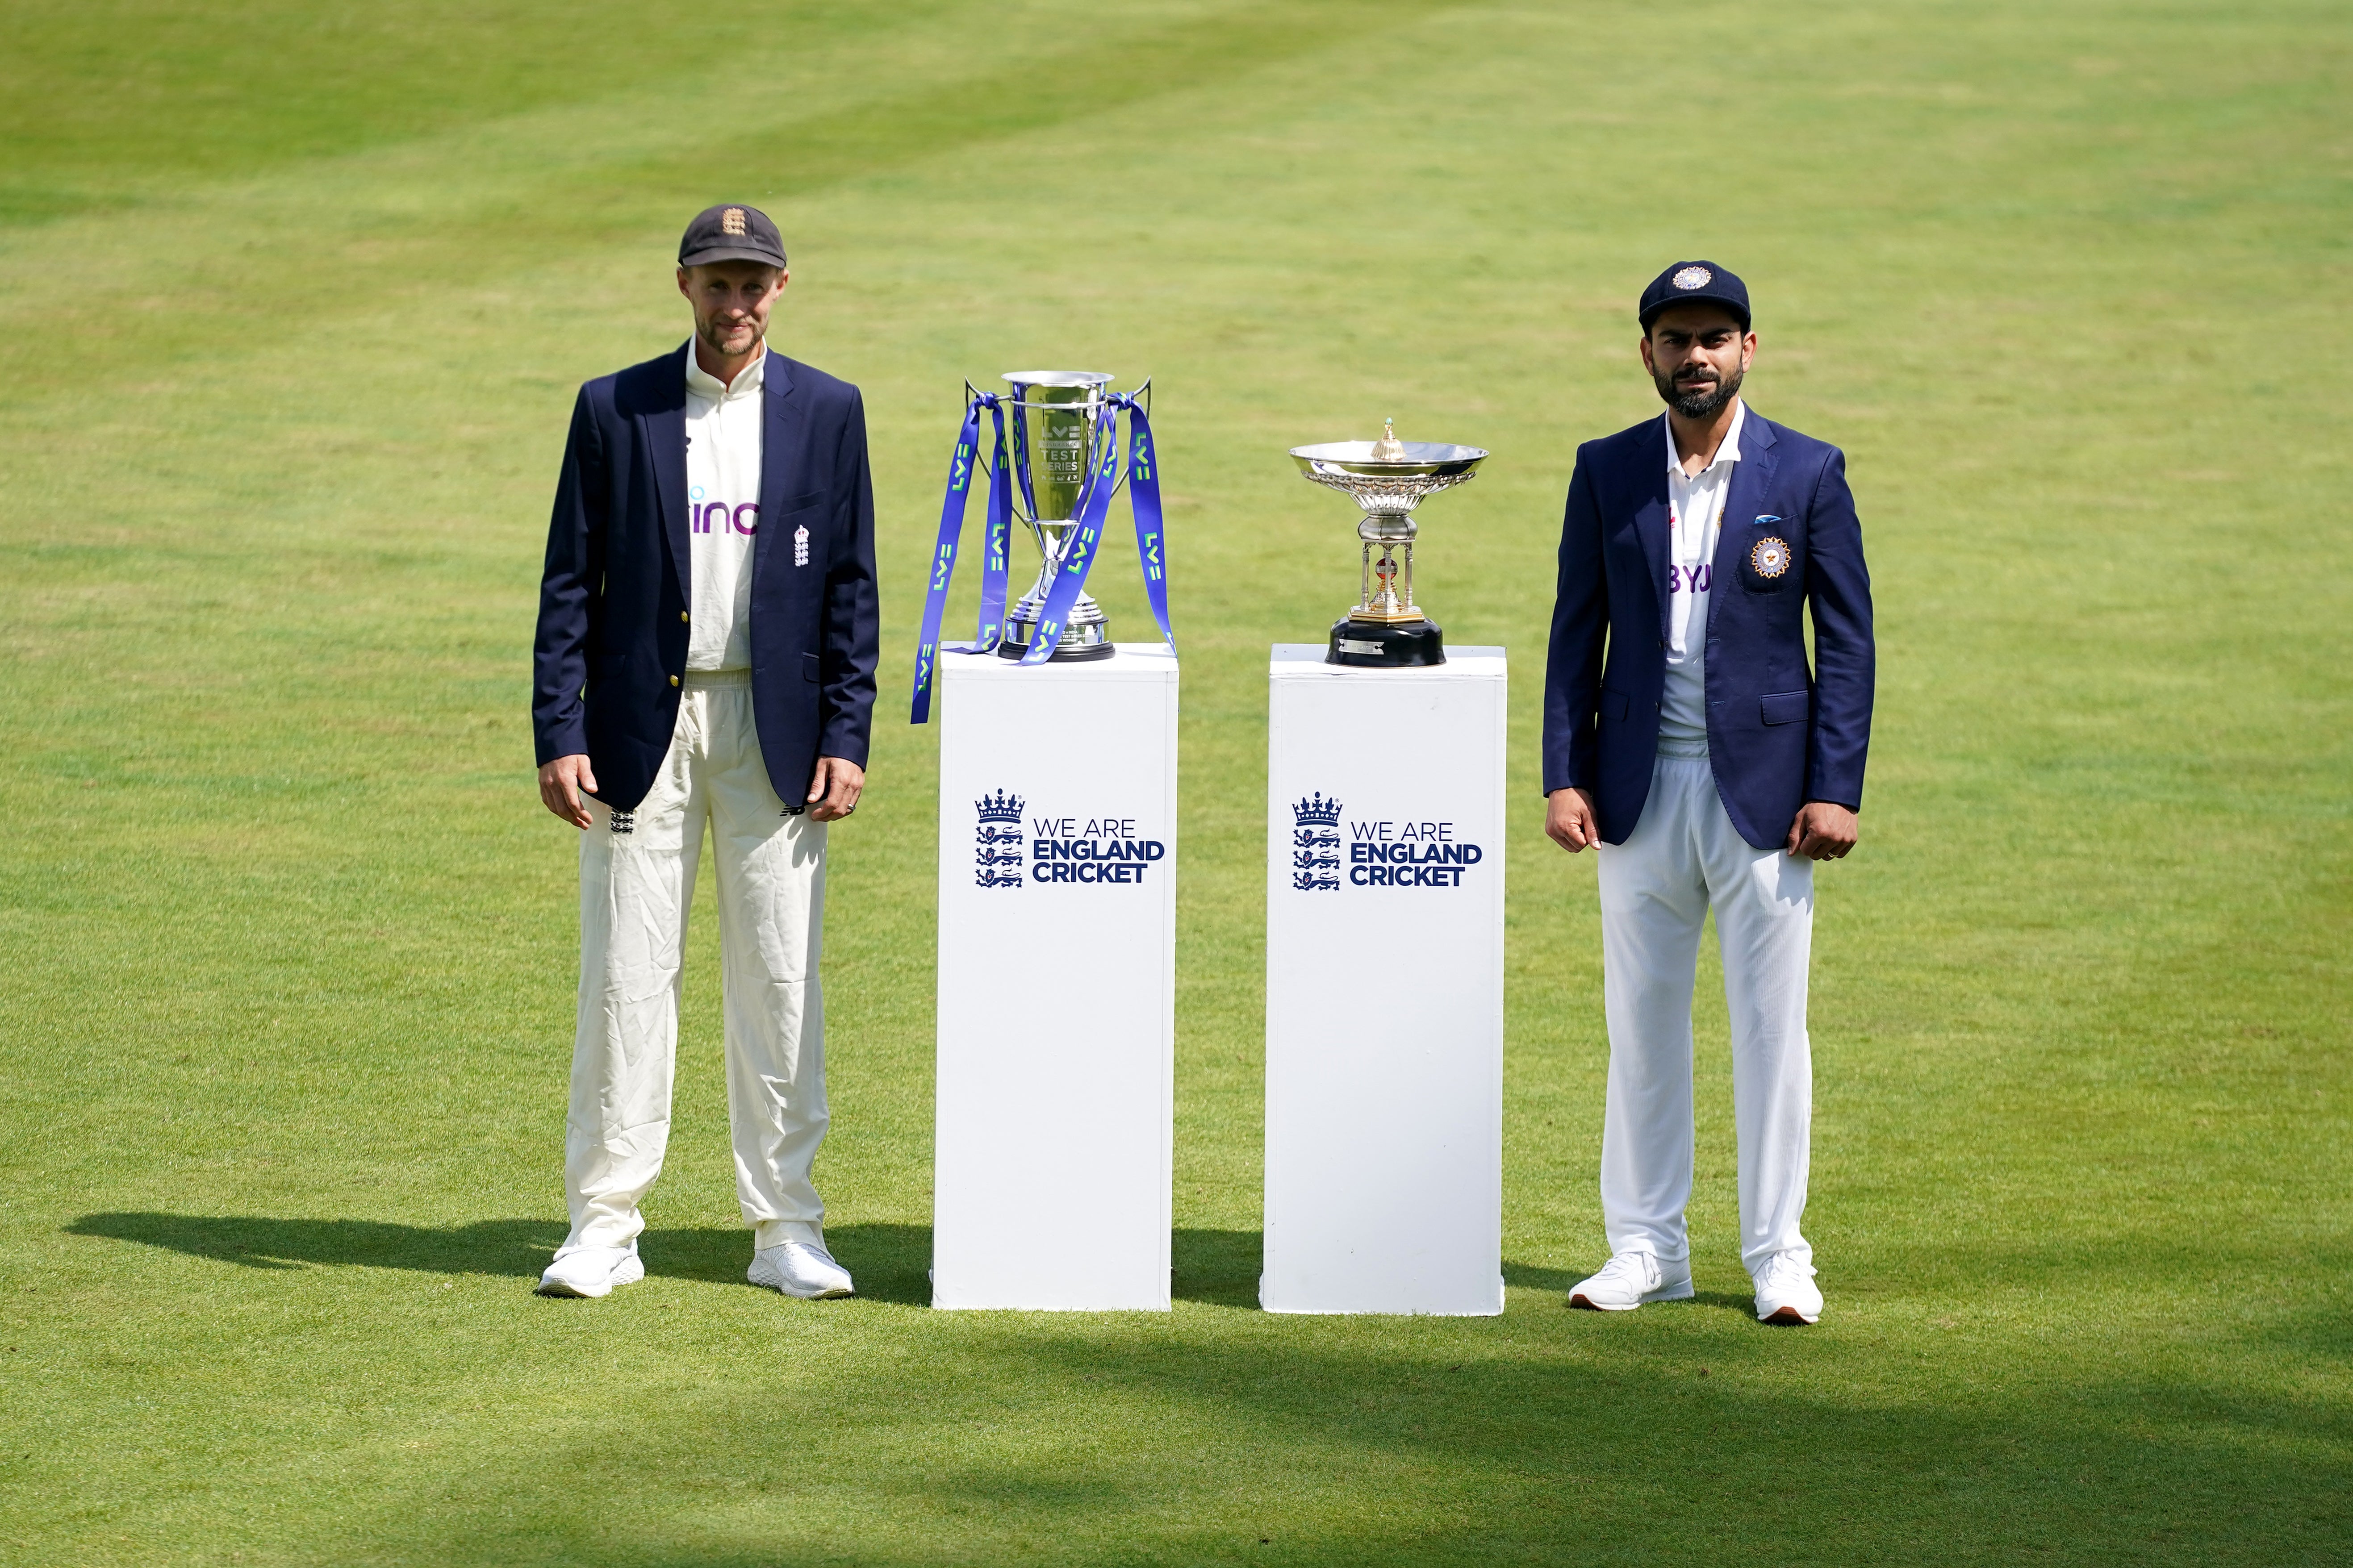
x=1387, y=478
x=1054, y=413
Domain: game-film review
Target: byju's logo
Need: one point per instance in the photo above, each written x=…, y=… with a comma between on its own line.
x=996, y=843
x=1315, y=844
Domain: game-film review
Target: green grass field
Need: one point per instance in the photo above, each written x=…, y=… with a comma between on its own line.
x=292, y=301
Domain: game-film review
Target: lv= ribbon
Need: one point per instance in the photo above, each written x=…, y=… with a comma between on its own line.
x=1079, y=551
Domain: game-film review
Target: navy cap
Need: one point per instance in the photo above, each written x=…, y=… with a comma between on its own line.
x=1695, y=280
x=731, y=234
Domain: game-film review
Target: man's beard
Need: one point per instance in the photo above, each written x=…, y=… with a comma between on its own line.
x=1697, y=403
x=715, y=335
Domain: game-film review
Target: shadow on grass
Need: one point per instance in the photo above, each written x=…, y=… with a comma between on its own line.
x=892, y=1261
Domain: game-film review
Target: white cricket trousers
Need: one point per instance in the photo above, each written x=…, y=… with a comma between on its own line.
x=635, y=891
x=1683, y=858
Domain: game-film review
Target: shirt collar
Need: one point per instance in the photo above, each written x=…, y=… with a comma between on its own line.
x=1729, y=452
x=701, y=383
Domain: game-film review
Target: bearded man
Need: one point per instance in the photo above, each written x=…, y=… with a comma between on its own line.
x=1709, y=766
x=706, y=653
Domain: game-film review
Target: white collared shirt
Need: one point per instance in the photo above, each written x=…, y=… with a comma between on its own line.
x=1695, y=506
x=723, y=510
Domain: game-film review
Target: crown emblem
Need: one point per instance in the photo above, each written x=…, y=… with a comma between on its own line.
x=732, y=221
x=1000, y=807
x=1316, y=812
x=1692, y=278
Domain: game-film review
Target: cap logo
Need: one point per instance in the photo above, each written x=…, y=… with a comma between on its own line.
x=732, y=222
x=1692, y=278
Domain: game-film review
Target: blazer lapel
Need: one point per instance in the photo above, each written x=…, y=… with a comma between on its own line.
x=1752, y=480
x=665, y=438
x=1653, y=521
x=780, y=416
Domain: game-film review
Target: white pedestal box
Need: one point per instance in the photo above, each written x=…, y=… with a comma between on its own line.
x=1057, y=981
x=1385, y=987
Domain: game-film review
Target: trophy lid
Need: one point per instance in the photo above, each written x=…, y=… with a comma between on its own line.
x=1086, y=378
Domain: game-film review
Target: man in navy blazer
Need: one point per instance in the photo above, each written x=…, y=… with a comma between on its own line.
x=1687, y=738
x=705, y=657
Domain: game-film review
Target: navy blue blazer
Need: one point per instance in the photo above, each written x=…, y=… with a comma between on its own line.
x=1778, y=734
x=613, y=600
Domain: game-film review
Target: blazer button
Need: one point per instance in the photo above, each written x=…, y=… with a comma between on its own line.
x=673, y=681
x=684, y=617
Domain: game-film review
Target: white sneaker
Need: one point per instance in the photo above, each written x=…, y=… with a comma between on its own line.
x=1786, y=1291
x=1631, y=1279
x=799, y=1269
x=590, y=1271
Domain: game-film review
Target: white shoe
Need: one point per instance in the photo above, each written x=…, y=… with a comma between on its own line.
x=590, y=1271
x=1786, y=1291
x=799, y=1269
x=1631, y=1279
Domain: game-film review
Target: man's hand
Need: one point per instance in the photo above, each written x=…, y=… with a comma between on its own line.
x=834, y=791
x=1822, y=831
x=1570, y=820
x=562, y=783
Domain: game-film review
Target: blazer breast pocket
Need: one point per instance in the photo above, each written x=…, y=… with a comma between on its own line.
x=795, y=523
x=1768, y=559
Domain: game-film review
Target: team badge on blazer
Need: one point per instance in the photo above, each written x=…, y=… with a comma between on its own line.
x=1770, y=557
x=800, y=546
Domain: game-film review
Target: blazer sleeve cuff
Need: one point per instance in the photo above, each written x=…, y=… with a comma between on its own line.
x=567, y=739
x=850, y=748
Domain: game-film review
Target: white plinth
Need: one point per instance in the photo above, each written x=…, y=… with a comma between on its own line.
x=1057, y=983
x=1385, y=987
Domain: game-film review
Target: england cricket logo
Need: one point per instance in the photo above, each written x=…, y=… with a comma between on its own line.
x=996, y=843
x=1315, y=844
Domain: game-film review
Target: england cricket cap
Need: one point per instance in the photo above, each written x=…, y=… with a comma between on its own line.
x=731, y=234
x=1688, y=281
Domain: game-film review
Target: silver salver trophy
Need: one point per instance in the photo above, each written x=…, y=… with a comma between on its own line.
x=1388, y=478
x=1054, y=413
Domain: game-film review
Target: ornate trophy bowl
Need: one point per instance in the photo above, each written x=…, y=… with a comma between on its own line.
x=1053, y=431
x=1387, y=478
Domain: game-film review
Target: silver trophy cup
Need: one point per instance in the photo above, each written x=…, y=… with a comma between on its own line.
x=1387, y=478
x=1054, y=412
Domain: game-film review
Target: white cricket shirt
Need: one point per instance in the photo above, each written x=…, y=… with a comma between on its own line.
x=723, y=510
x=1695, y=508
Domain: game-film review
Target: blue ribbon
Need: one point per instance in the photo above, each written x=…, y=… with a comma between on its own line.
x=997, y=540
x=1079, y=551
x=1144, y=500
x=1085, y=541
x=996, y=544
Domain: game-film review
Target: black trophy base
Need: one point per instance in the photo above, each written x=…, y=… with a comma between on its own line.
x=1064, y=654
x=1386, y=645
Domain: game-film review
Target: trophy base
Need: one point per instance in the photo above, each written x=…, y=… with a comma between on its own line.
x=1386, y=645
x=1068, y=651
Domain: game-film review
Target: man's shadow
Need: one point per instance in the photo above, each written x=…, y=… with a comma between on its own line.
x=892, y=1262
